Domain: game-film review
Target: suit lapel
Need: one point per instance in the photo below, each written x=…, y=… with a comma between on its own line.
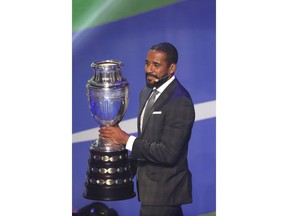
x=143, y=98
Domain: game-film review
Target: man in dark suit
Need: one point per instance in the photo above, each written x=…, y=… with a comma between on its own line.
x=164, y=181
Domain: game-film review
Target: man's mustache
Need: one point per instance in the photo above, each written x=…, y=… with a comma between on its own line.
x=151, y=75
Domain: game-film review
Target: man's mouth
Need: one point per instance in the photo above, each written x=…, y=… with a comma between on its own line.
x=151, y=76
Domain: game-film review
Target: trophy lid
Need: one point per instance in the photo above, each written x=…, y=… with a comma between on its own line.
x=107, y=63
x=107, y=73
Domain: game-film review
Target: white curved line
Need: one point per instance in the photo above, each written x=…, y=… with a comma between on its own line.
x=203, y=111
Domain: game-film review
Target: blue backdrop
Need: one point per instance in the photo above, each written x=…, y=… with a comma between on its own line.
x=190, y=26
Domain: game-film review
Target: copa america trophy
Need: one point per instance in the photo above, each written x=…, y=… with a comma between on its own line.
x=109, y=175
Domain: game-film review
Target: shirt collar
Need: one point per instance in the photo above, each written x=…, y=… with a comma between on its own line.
x=164, y=86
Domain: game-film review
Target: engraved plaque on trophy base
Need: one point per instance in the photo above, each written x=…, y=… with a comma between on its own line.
x=109, y=176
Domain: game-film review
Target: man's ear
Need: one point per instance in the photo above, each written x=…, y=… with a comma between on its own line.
x=172, y=69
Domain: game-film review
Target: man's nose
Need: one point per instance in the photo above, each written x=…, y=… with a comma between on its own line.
x=149, y=68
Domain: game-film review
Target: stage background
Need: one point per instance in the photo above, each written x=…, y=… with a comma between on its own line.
x=125, y=30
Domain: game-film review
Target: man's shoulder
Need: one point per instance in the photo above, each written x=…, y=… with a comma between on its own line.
x=145, y=90
x=181, y=89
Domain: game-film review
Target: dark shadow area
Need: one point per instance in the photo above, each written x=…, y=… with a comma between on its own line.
x=96, y=209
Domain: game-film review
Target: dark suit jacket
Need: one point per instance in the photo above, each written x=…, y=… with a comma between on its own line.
x=163, y=176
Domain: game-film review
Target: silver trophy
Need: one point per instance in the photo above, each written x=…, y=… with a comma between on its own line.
x=109, y=175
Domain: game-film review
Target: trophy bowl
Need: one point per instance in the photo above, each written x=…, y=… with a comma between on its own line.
x=109, y=175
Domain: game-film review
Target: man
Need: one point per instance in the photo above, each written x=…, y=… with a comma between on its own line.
x=163, y=177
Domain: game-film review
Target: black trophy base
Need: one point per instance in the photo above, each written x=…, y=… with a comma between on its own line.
x=107, y=193
x=109, y=176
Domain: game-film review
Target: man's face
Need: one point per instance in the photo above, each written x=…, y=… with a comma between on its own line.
x=155, y=66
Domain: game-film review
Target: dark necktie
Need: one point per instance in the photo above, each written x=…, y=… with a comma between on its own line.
x=150, y=103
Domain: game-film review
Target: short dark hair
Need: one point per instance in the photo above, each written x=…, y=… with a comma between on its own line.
x=169, y=49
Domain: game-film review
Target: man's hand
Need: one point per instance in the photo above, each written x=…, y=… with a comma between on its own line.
x=113, y=134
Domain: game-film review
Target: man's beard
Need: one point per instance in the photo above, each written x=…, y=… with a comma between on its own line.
x=156, y=84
